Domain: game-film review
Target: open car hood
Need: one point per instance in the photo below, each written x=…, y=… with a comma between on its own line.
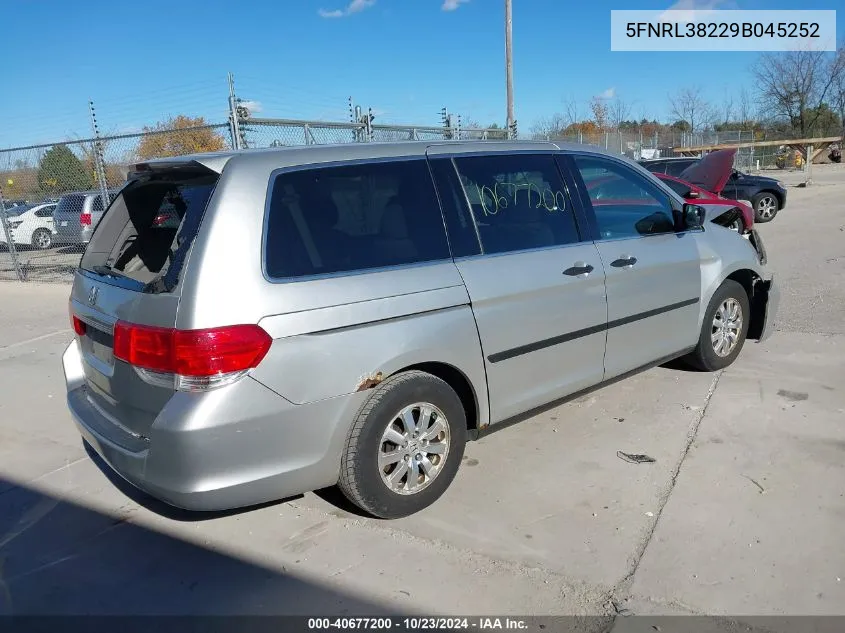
x=712, y=171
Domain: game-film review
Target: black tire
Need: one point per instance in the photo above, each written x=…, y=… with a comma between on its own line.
x=360, y=477
x=705, y=357
x=45, y=241
x=766, y=206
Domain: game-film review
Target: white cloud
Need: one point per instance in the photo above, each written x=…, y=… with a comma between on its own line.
x=254, y=107
x=690, y=10
x=452, y=5
x=356, y=6
x=607, y=94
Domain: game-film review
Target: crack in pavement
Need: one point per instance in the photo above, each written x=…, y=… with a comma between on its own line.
x=621, y=591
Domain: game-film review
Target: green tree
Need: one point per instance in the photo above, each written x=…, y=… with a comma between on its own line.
x=60, y=170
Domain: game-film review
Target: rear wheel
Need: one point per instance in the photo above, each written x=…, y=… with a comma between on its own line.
x=724, y=328
x=766, y=206
x=42, y=239
x=405, y=446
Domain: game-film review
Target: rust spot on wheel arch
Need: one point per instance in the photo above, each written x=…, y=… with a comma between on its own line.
x=369, y=381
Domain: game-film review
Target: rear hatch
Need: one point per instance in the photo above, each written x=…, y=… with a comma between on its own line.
x=128, y=283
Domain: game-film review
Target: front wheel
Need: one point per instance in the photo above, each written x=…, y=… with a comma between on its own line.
x=766, y=207
x=724, y=328
x=404, y=447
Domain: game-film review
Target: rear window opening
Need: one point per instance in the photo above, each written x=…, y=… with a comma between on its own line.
x=146, y=232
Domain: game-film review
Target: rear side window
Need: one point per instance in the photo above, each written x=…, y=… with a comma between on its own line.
x=73, y=203
x=355, y=217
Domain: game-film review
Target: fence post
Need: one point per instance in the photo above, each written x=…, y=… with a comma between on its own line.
x=10, y=243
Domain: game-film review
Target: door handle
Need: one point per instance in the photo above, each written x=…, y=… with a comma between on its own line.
x=624, y=262
x=580, y=268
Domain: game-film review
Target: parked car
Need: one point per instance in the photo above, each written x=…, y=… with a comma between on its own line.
x=354, y=314
x=76, y=216
x=733, y=214
x=767, y=195
x=31, y=225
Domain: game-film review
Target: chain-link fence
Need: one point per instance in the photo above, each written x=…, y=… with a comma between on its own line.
x=54, y=193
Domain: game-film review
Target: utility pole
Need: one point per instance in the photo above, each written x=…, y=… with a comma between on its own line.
x=509, y=62
x=234, y=115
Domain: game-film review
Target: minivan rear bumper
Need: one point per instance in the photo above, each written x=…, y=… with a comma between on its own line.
x=233, y=447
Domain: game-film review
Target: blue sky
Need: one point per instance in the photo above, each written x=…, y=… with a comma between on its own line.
x=142, y=62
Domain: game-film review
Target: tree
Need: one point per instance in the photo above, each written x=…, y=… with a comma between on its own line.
x=601, y=116
x=618, y=111
x=549, y=127
x=179, y=136
x=689, y=105
x=745, y=114
x=60, y=170
x=794, y=84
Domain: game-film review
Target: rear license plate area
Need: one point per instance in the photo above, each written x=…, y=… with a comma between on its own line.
x=98, y=344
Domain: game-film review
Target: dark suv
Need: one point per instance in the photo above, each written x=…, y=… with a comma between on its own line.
x=767, y=195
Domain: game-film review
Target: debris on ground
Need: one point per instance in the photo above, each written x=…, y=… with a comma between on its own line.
x=754, y=481
x=635, y=458
x=649, y=514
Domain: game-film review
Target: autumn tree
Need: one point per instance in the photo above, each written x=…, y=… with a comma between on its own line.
x=179, y=136
x=60, y=170
x=601, y=116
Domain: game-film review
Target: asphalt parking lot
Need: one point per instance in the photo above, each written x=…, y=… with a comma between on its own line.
x=741, y=513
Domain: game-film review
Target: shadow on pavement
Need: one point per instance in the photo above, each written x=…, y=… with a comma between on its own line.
x=59, y=558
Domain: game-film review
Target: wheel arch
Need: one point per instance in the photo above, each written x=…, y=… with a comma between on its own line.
x=458, y=381
x=778, y=196
x=750, y=281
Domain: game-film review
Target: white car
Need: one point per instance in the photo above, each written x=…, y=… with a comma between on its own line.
x=30, y=225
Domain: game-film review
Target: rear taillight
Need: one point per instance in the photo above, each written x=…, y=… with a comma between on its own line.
x=191, y=360
x=85, y=219
x=77, y=323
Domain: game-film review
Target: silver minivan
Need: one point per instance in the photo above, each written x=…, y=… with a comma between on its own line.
x=76, y=216
x=254, y=325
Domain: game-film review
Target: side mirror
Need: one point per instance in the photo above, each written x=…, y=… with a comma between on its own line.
x=692, y=217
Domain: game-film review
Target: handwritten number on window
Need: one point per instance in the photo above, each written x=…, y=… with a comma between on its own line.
x=500, y=195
